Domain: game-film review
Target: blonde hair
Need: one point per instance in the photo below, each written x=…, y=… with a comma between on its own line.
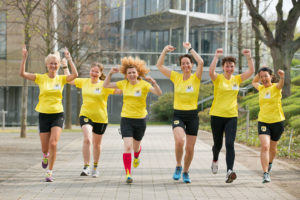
x=130, y=62
x=53, y=55
x=101, y=67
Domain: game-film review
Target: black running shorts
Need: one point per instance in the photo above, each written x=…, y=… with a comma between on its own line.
x=47, y=121
x=131, y=127
x=188, y=120
x=274, y=129
x=98, y=128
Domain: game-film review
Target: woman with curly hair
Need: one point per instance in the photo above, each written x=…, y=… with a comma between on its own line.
x=133, y=115
x=93, y=114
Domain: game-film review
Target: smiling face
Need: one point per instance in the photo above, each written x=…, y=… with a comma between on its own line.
x=132, y=74
x=95, y=72
x=186, y=65
x=228, y=68
x=53, y=65
x=265, y=78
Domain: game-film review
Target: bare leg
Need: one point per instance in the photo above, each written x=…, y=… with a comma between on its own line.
x=189, y=151
x=54, y=137
x=86, y=145
x=265, y=148
x=179, y=137
x=97, y=139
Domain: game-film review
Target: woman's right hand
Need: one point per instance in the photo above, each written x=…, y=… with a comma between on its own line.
x=219, y=52
x=169, y=48
x=114, y=70
x=24, y=51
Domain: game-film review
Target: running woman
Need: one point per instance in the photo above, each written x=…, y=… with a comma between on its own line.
x=270, y=117
x=224, y=109
x=50, y=108
x=133, y=115
x=185, y=119
x=93, y=114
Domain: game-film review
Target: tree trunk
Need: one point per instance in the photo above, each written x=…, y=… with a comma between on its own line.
x=68, y=113
x=23, y=133
x=256, y=42
x=78, y=105
x=282, y=59
x=240, y=35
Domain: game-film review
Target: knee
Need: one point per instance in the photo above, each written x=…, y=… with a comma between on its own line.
x=53, y=144
x=97, y=145
x=265, y=148
x=87, y=141
x=229, y=145
x=179, y=142
x=189, y=149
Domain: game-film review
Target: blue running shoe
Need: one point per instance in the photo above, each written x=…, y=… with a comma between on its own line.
x=177, y=173
x=186, y=177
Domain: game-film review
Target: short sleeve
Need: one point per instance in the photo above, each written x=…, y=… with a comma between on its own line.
x=78, y=82
x=37, y=78
x=260, y=87
x=239, y=79
x=64, y=79
x=109, y=90
x=217, y=80
x=174, y=76
x=120, y=84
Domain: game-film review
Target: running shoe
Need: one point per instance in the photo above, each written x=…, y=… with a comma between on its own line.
x=270, y=167
x=45, y=162
x=230, y=176
x=85, y=172
x=95, y=173
x=136, y=162
x=177, y=173
x=186, y=177
x=49, y=177
x=266, y=178
x=128, y=178
x=214, y=167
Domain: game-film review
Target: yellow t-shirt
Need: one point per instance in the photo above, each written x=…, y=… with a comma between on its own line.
x=94, y=97
x=50, y=97
x=134, y=98
x=186, y=92
x=270, y=104
x=225, y=96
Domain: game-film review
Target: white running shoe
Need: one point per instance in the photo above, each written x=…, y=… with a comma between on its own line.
x=85, y=172
x=214, y=167
x=95, y=173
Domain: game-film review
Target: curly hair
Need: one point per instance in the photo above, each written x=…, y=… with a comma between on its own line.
x=186, y=56
x=228, y=59
x=270, y=72
x=130, y=62
x=53, y=55
x=101, y=67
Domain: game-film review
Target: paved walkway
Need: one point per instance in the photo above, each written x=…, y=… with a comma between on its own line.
x=152, y=179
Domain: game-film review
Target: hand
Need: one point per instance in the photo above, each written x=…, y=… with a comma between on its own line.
x=169, y=48
x=280, y=73
x=24, y=51
x=67, y=54
x=150, y=79
x=247, y=53
x=219, y=52
x=64, y=62
x=114, y=70
x=187, y=45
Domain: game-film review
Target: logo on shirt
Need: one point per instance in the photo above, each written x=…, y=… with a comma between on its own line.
x=268, y=95
x=263, y=128
x=86, y=119
x=138, y=93
x=57, y=87
x=235, y=87
x=189, y=88
x=97, y=91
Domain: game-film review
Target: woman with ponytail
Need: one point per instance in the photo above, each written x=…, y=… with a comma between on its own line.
x=50, y=108
x=270, y=117
x=93, y=114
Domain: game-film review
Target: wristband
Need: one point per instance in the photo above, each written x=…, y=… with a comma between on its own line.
x=190, y=49
x=65, y=67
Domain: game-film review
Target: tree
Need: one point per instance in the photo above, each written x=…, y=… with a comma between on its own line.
x=26, y=8
x=281, y=43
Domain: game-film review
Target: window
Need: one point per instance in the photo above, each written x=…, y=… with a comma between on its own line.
x=2, y=35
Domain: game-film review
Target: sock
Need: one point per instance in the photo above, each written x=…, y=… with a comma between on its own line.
x=45, y=155
x=49, y=171
x=270, y=163
x=127, y=162
x=86, y=166
x=136, y=154
x=95, y=165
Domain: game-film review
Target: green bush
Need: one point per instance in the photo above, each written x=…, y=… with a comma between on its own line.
x=204, y=116
x=294, y=122
x=296, y=81
x=291, y=110
x=162, y=109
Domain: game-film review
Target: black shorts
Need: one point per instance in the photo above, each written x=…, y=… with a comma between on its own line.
x=188, y=120
x=47, y=121
x=273, y=129
x=131, y=127
x=98, y=128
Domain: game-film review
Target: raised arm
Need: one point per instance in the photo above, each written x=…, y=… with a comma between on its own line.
x=255, y=81
x=212, y=68
x=22, y=72
x=74, y=74
x=160, y=62
x=107, y=83
x=197, y=57
x=247, y=74
x=155, y=89
x=64, y=64
x=280, y=84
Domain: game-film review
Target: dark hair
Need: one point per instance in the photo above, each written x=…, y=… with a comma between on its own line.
x=100, y=66
x=228, y=59
x=270, y=71
x=187, y=56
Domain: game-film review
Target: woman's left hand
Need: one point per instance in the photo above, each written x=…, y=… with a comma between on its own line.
x=187, y=45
